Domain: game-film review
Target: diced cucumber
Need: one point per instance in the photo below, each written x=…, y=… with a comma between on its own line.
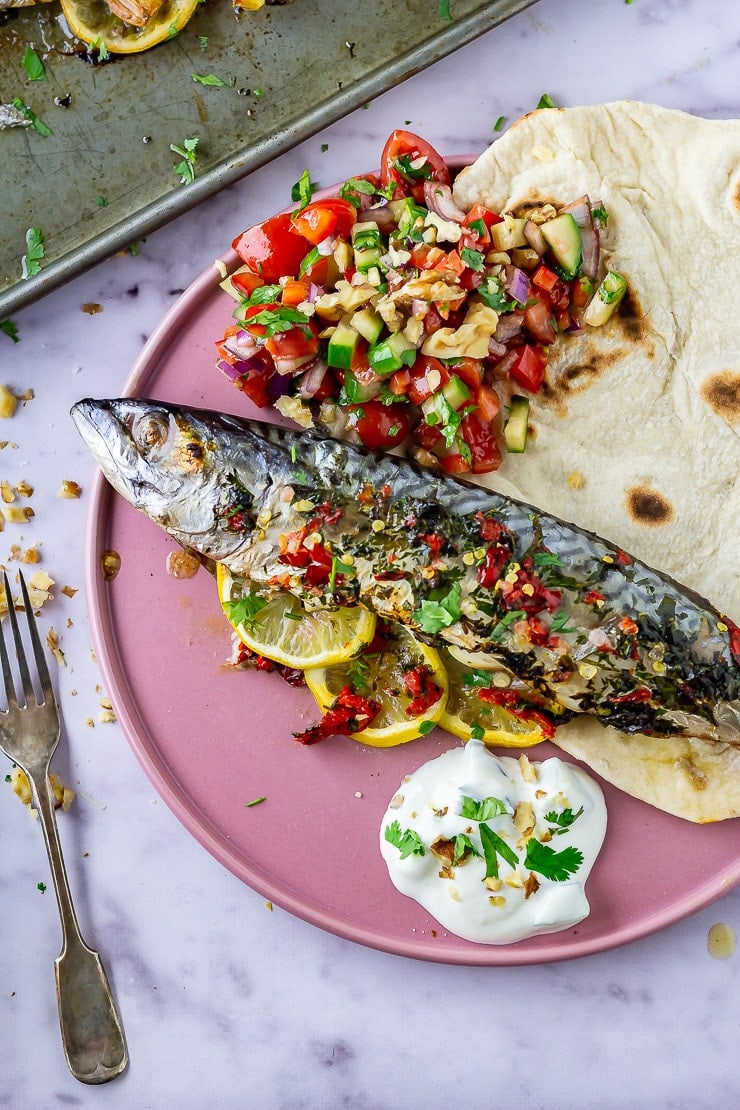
x=368, y=323
x=604, y=302
x=358, y=391
x=391, y=354
x=439, y=408
x=509, y=234
x=515, y=429
x=342, y=345
x=563, y=237
x=456, y=392
x=366, y=236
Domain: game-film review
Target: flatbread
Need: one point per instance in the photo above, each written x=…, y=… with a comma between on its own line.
x=636, y=433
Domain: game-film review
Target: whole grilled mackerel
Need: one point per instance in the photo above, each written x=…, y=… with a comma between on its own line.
x=586, y=626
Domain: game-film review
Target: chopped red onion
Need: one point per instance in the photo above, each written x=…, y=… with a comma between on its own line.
x=580, y=210
x=496, y=350
x=517, y=284
x=438, y=199
x=326, y=247
x=534, y=237
x=383, y=216
x=242, y=345
x=509, y=325
x=277, y=386
x=502, y=368
x=312, y=380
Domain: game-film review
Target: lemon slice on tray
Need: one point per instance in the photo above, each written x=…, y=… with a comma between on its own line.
x=93, y=22
x=405, y=677
x=468, y=714
x=286, y=632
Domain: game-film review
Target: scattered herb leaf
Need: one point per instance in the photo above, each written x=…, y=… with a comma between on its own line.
x=482, y=810
x=562, y=820
x=444, y=10
x=545, y=101
x=493, y=847
x=211, y=80
x=11, y=330
x=558, y=866
x=303, y=189
x=254, y=802
x=31, y=261
x=244, y=609
x=499, y=123
x=37, y=124
x=432, y=615
x=33, y=65
x=186, y=168
x=408, y=842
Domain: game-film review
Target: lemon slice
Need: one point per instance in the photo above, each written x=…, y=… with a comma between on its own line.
x=379, y=675
x=94, y=23
x=467, y=714
x=286, y=632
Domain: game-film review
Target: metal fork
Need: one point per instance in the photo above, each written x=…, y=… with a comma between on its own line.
x=92, y=1034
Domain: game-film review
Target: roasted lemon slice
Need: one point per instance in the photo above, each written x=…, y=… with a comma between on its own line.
x=93, y=22
x=397, y=672
x=286, y=632
x=468, y=713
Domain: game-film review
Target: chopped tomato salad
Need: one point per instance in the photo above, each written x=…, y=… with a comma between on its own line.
x=394, y=319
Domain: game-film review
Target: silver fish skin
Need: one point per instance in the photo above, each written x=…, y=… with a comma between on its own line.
x=586, y=626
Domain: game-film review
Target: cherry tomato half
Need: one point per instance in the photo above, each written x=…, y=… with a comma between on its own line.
x=401, y=150
x=272, y=249
x=379, y=426
x=322, y=218
x=481, y=439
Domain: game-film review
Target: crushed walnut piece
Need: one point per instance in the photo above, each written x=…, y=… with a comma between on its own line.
x=63, y=795
x=182, y=564
x=110, y=564
x=69, y=489
x=524, y=821
x=531, y=886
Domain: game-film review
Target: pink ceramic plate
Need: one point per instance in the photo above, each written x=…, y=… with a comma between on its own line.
x=212, y=740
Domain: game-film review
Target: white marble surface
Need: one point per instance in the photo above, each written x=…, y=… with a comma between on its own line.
x=226, y=1004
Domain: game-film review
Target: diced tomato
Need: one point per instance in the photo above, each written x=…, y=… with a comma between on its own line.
x=424, y=255
x=399, y=382
x=348, y=713
x=539, y=323
x=271, y=249
x=379, y=426
x=254, y=386
x=427, y=435
x=450, y=263
x=528, y=368
x=581, y=291
x=454, y=464
x=469, y=370
x=323, y=218
x=322, y=271
x=545, y=278
x=427, y=375
x=423, y=690
x=482, y=217
x=294, y=292
x=487, y=402
x=246, y=282
x=403, y=148
x=292, y=348
x=481, y=439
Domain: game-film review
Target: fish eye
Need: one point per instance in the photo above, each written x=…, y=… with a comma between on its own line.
x=151, y=433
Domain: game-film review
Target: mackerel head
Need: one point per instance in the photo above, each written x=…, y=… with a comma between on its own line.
x=578, y=620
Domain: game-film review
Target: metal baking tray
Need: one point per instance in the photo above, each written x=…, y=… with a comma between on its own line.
x=104, y=178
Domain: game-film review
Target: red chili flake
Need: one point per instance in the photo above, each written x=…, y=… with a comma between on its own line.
x=734, y=632
x=348, y=713
x=593, y=597
x=490, y=529
x=366, y=495
x=425, y=692
x=510, y=700
x=640, y=693
x=537, y=631
x=495, y=559
x=624, y=559
x=628, y=626
x=533, y=599
x=325, y=514
x=434, y=542
x=389, y=576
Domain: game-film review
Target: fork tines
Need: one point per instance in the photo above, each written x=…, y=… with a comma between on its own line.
x=38, y=652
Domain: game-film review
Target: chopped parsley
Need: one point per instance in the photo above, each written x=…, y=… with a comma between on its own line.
x=558, y=866
x=278, y=319
x=493, y=847
x=560, y=623
x=463, y=847
x=212, y=80
x=408, y=842
x=37, y=124
x=482, y=810
x=545, y=101
x=444, y=10
x=474, y=259
x=434, y=615
x=492, y=293
x=255, y=802
x=33, y=65
x=426, y=727
x=600, y=215
x=11, y=330
x=499, y=123
x=101, y=201
x=245, y=609
x=303, y=189
x=203, y=41
x=41, y=887
x=562, y=821
x=186, y=168
x=546, y=559
x=31, y=260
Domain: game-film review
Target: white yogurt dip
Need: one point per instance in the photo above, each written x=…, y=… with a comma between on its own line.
x=496, y=849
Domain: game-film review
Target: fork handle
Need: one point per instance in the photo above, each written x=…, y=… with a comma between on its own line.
x=92, y=1034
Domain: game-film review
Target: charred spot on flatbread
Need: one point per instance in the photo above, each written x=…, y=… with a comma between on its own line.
x=722, y=393
x=647, y=506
